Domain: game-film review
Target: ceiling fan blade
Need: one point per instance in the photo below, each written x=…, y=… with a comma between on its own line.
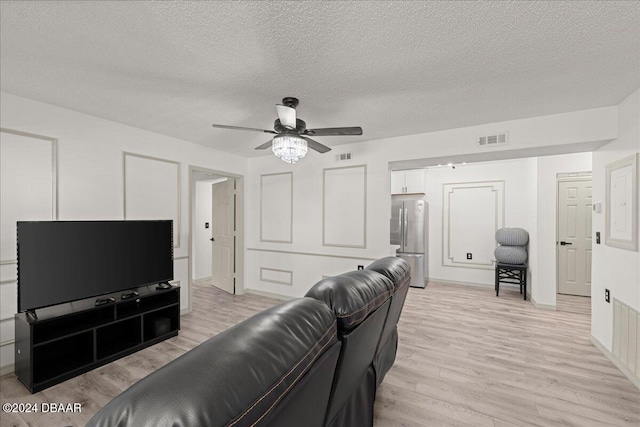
x=243, y=128
x=315, y=145
x=287, y=116
x=265, y=145
x=356, y=130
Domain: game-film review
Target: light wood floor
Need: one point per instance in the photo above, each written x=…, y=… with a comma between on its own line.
x=465, y=358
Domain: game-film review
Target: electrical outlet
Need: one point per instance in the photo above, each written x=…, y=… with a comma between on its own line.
x=206, y=225
x=607, y=295
x=469, y=256
x=597, y=237
x=361, y=267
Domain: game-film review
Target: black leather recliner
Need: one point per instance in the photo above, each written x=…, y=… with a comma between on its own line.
x=399, y=272
x=360, y=300
x=275, y=368
x=313, y=361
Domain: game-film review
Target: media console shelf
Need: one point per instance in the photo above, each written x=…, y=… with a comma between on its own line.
x=73, y=338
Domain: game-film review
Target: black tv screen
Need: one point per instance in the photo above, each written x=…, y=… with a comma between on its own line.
x=63, y=261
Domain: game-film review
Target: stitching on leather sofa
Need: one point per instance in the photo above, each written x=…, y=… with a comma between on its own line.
x=284, y=377
x=304, y=371
x=377, y=304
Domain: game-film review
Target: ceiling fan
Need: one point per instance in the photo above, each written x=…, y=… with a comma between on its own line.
x=291, y=134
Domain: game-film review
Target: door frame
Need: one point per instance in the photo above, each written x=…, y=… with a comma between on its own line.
x=239, y=218
x=565, y=177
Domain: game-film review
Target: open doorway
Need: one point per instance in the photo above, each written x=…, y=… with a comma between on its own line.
x=216, y=229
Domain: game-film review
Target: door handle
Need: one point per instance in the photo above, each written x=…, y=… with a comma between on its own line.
x=212, y=239
x=563, y=243
x=406, y=224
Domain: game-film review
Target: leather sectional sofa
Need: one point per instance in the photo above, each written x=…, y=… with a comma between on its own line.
x=312, y=361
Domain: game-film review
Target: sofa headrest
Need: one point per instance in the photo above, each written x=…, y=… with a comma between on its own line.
x=394, y=268
x=235, y=378
x=353, y=296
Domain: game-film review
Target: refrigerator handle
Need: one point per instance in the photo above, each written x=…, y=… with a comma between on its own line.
x=406, y=223
x=400, y=222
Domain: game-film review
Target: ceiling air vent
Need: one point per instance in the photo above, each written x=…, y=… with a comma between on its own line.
x=492, y=140
x=343, y=156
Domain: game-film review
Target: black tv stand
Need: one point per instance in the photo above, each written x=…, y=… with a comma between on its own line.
x=67, y=340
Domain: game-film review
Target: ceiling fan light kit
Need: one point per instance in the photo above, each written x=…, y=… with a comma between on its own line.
x=292, y=141
x=289, y=148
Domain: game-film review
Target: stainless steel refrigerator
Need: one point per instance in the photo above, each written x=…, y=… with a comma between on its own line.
x=409, y=229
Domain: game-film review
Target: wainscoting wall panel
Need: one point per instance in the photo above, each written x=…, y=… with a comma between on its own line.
x=28, y=192
x=472, y=212
x=152, y=190
x=273, y=275
x=304, y=270
x=276, y=207
x=344, y=201
x=626, y=337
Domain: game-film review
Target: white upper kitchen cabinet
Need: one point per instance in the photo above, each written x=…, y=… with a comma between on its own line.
x=410, y=181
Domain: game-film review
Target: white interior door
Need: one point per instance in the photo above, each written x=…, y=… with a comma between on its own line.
x=574, y=237
x=223, y=236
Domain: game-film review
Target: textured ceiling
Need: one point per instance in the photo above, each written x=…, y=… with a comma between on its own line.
x=394, y=68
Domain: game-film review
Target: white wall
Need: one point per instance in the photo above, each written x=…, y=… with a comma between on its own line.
x=201, y=235
x=309, y=260
x=517, y=179
x=615, y=269
x=91, y=178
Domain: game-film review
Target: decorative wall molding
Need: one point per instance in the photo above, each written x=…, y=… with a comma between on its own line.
x=178, y=220
x=276, y=207
x=313, y=254
x=7, y=342
x=492, y=191
x=621, y=203
x=47, y=209
x=344, y=206
x=54, y=172
x=573, y=176
x=274, y=275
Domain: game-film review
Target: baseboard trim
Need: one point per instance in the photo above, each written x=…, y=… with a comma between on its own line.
x=541, y=306
x=617, y=363
x=461, y=283
x=7, y=369
x=268, y=294
x=477, y=285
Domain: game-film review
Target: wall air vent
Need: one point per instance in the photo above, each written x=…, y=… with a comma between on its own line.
x=344, y=156
x=492, y=140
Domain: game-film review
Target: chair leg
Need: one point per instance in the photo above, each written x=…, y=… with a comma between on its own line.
x=497, y=282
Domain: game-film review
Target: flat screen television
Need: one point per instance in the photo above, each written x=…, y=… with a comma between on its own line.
x=64, y=261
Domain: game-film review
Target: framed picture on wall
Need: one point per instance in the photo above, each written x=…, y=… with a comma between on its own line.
x=621, y=213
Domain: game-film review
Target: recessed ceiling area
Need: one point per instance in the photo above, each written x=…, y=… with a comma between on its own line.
x=394, y=68
x=520, y=153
